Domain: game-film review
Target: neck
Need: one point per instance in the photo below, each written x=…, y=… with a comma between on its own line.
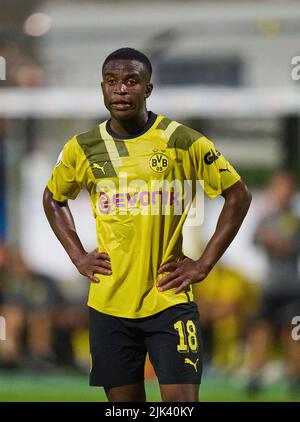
x=129, y=126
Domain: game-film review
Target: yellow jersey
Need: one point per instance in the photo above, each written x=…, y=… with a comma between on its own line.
x=138, y=204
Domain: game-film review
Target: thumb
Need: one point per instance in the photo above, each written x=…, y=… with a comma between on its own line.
x=93, y=278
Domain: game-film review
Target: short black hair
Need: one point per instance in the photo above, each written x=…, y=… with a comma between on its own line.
x=127, y=53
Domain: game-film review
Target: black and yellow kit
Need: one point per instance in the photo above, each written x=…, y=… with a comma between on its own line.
x=134, y=185
x=125, y=177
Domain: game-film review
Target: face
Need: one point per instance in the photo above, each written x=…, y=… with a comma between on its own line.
x=283, y=188
x=125, y=88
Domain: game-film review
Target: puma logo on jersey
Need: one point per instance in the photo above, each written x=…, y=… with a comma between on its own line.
x=190, y=362
x=97, y=166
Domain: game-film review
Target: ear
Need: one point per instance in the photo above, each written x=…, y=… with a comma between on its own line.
x=148, y=90
x=102, y=86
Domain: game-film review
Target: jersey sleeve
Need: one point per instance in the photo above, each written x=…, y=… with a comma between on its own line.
x=63, y=182
x=212, y=167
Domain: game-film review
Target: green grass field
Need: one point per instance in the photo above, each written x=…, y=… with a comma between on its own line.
x=27, y=387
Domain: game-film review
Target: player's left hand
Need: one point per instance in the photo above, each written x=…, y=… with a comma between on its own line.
x=181, y=275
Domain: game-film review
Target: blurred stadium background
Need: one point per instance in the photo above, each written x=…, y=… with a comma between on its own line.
x=222, y=67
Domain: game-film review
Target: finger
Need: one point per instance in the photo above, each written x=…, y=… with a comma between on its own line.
x=167, y=278
x=103, y=255
x=93, y=278
x=101, y=270
x=184, y=285
x=173, y=283
x=169, y=266
x=102, y=263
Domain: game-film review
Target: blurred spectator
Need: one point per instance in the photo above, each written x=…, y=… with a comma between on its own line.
x=29, y=301
x=21, y=68
x=226, y=299
x=278, y=234
x=28, y=76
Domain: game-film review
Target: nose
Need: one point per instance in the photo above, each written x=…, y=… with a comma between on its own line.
x=120, y=88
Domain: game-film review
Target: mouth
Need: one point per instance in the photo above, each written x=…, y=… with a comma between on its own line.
x=121, y=105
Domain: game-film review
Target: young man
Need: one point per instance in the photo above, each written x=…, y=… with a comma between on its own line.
x=140, y=297
x=278, y=234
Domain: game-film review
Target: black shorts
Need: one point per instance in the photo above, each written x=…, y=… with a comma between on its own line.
x=278, y=308
x=172, y=338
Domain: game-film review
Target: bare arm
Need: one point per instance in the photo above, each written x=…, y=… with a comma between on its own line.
x=237, y=202
x=62, y=223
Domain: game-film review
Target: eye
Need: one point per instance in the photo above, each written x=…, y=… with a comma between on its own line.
x=131, y=82
x=110, y=81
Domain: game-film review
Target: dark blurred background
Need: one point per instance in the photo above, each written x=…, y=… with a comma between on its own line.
x=226, y=68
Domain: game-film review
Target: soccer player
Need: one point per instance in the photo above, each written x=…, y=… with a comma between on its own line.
x=278, y=234
x=140, y=297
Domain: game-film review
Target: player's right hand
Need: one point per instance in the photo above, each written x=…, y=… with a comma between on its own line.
x=94, y=262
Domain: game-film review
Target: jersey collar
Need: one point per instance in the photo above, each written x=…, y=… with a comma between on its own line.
x=150, y=122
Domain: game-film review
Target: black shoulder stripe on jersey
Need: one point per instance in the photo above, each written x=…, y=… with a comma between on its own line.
x=183, y=137
x=164, y=123
x=121, y=147
x=95, y=151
